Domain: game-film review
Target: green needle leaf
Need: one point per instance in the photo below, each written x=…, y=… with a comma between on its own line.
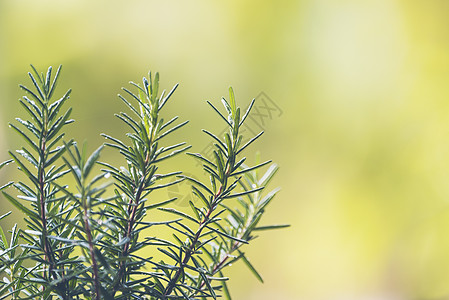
x=5, y=163
x=271, y=227
x=20, y=206
x=232, y=101
x=250, y=266
x=179, y=213
x=91, y=161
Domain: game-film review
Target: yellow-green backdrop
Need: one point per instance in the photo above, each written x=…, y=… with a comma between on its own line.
x=360, y=130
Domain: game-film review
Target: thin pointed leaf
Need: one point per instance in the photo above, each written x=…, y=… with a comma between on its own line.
x=91, y=160
x=200, y=195
x=37, y=86
x=244, y=193
x=227, y=107
x=129, y=105
x=155, y=86
x=215, y=138
x=232, y=100
x=195, y=210
x=47, y=80
x=24, y=169
x=266, y=178
x=36, y=73
x=31, y=113
x=145, y=106
x=129, y=121
x=28, y=156
x=179, y=213
x=267, y=199
x=32, y=94
x=5, y=215
x=199, y=183
x=250, y=142
x=227, y=235
x=20, y=206
x=247, y=112
x=171, y=130
x=27, y=139
x=271, y=227
x=5, y=163
x=250, y=266
x=56, y=106
x=251, y=168
x=202, y=158
x=172, y=154
x=167, y=97
x=225, y=288
x=219, y=113
x=161, y=203
x=55, y=82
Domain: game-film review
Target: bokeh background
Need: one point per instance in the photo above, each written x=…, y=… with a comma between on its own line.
x=361, y=132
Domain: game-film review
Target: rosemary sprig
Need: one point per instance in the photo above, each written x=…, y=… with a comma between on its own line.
x=42, y=131
x=84, y=237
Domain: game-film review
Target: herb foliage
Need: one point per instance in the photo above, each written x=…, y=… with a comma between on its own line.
x=87, y=241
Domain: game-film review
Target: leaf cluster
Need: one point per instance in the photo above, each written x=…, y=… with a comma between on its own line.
x=86, y=239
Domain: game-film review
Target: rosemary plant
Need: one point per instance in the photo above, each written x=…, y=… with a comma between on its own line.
x=88, y=240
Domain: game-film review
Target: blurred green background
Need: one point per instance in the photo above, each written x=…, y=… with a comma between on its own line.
x=362, y=141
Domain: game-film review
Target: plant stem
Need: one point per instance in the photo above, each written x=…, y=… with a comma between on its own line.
x=86, y=224
x=191, y=249
x=217, y=267
x=132, y=209
x=48, y=250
